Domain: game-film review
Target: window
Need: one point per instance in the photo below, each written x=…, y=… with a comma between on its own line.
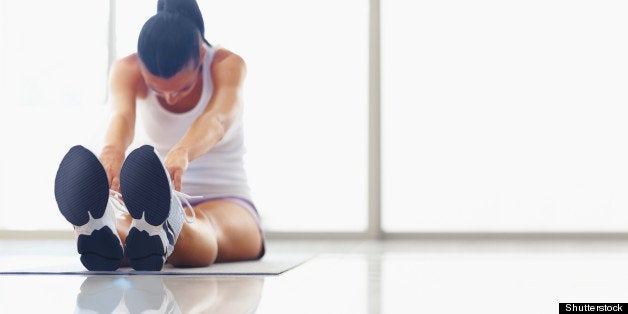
x=504, y=116
x=54, y=73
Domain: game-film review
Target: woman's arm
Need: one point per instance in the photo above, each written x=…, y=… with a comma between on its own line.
x=228, y=71
x=125, y=78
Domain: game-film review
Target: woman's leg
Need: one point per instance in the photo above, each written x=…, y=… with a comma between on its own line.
x=123, y=224
x=223, y=231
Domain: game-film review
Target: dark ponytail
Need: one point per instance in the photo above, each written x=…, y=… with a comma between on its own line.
x=169, y=40
x=187, y=8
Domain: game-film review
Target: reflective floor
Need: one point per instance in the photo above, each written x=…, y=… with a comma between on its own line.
x=435, y=276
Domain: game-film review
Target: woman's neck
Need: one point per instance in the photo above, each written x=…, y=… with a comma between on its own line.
x=188, y=102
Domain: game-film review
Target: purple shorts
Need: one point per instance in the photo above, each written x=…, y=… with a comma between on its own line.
x=246, y=204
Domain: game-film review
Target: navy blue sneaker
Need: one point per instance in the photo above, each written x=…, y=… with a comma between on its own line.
x=84, y=199
x=155, y=206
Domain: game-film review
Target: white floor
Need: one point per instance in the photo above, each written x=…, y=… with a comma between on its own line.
x=427, y=276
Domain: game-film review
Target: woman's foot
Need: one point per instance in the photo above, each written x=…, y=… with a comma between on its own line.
x=155, y=206
x=83, y=197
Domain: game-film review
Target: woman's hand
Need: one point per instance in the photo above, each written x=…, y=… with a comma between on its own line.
x=177, y=163
x=112, y=159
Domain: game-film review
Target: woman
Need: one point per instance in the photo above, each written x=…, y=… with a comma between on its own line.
x=188, y=94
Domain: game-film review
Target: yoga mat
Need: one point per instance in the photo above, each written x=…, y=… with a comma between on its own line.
x=269, y=265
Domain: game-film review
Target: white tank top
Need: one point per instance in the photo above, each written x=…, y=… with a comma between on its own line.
x=219, y=172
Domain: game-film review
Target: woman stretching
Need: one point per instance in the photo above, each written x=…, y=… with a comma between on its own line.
x=188, y=95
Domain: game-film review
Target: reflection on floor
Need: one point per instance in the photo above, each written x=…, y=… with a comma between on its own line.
x=169, y=294
x=345, y=277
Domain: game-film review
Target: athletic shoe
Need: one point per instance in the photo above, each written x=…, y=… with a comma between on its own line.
x=84, y=199
x=155, y=206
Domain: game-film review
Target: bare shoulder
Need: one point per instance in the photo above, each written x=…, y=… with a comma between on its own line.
x=228, y=61
x=127, y=66
x=126, y=74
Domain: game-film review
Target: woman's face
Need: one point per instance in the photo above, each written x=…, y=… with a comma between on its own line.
x=173, y=89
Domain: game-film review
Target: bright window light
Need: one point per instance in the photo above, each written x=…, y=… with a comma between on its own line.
x=505, y=116
x=306, y=107
x=54, y=74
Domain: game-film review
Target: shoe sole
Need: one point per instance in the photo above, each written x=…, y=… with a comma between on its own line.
x=144, y=185
x=81, y=190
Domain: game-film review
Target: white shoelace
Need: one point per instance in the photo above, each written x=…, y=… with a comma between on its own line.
x=118, y=203
x=185, y=198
